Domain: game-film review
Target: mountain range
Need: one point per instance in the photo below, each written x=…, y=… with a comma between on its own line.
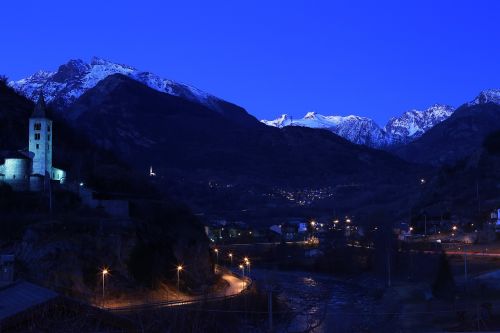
x=215, y=156
x=362, y=130
x=398, y=131
x=71, y=80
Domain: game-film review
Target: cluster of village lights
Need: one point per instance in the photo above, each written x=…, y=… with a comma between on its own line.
x=336, y=221
x=453, y=229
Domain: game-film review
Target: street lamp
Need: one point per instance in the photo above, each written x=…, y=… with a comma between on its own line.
x=243, y=280
x=248, y=264
x=217, y=259
x=104, y=272
x=179, y=269
x=348, y=220
x=231, y=258
x=217, y=255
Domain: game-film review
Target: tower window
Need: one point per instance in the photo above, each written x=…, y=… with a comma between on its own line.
x=37, y=136
x=37, y=146
x=48, y=128
x=48, y=137
x=37, y=126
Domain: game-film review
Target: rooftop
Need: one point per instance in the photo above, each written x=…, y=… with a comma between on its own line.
x=22, y=296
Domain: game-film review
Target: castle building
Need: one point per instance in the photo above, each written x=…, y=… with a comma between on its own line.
x=30, y=170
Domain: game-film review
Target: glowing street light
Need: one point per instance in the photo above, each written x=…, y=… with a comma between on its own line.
x=454, y=228
x=411, y=228
x=422, y=181
x=104, y=272
x=231, y=258
x=179, y=269
x=348, y=220
x=248, y=264
x=243, y=273
x=217, y=255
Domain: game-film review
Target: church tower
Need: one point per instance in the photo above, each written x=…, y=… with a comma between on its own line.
x=40, y=140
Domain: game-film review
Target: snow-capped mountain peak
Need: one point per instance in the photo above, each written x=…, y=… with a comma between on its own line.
x=413, y=123
x=283, y=120
x=487, y=96
x=356, y=129
x=310, y=115
x=71, y=80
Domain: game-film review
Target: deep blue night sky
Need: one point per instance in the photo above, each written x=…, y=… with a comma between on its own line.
x=372, y=58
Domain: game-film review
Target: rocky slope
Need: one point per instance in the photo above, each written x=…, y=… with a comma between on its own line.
x=414, y=123
x=64, y=246
x=487, y=96
x=460, y=135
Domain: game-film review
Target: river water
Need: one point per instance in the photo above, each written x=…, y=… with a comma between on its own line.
x=321, y=303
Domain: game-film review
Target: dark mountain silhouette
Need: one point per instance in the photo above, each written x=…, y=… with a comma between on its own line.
x=190, y=146
x=148, y=127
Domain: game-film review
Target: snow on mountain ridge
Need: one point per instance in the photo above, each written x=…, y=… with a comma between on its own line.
x=487, y=96
x=75, y=77
x=413, y=123
x=362, y=130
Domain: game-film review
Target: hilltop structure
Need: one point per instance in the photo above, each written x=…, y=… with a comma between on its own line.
x=31, y=170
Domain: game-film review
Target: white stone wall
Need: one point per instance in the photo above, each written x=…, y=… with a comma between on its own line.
x=17, y=169
x=40, y=143
x=58, y=174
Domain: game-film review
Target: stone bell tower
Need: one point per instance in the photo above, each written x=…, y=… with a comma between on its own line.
x=40, y=139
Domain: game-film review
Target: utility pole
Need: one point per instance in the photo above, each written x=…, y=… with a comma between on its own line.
x=270, y=308
x=465, y=265
x=388, y=268
x=425, y=224
x=477, y=198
